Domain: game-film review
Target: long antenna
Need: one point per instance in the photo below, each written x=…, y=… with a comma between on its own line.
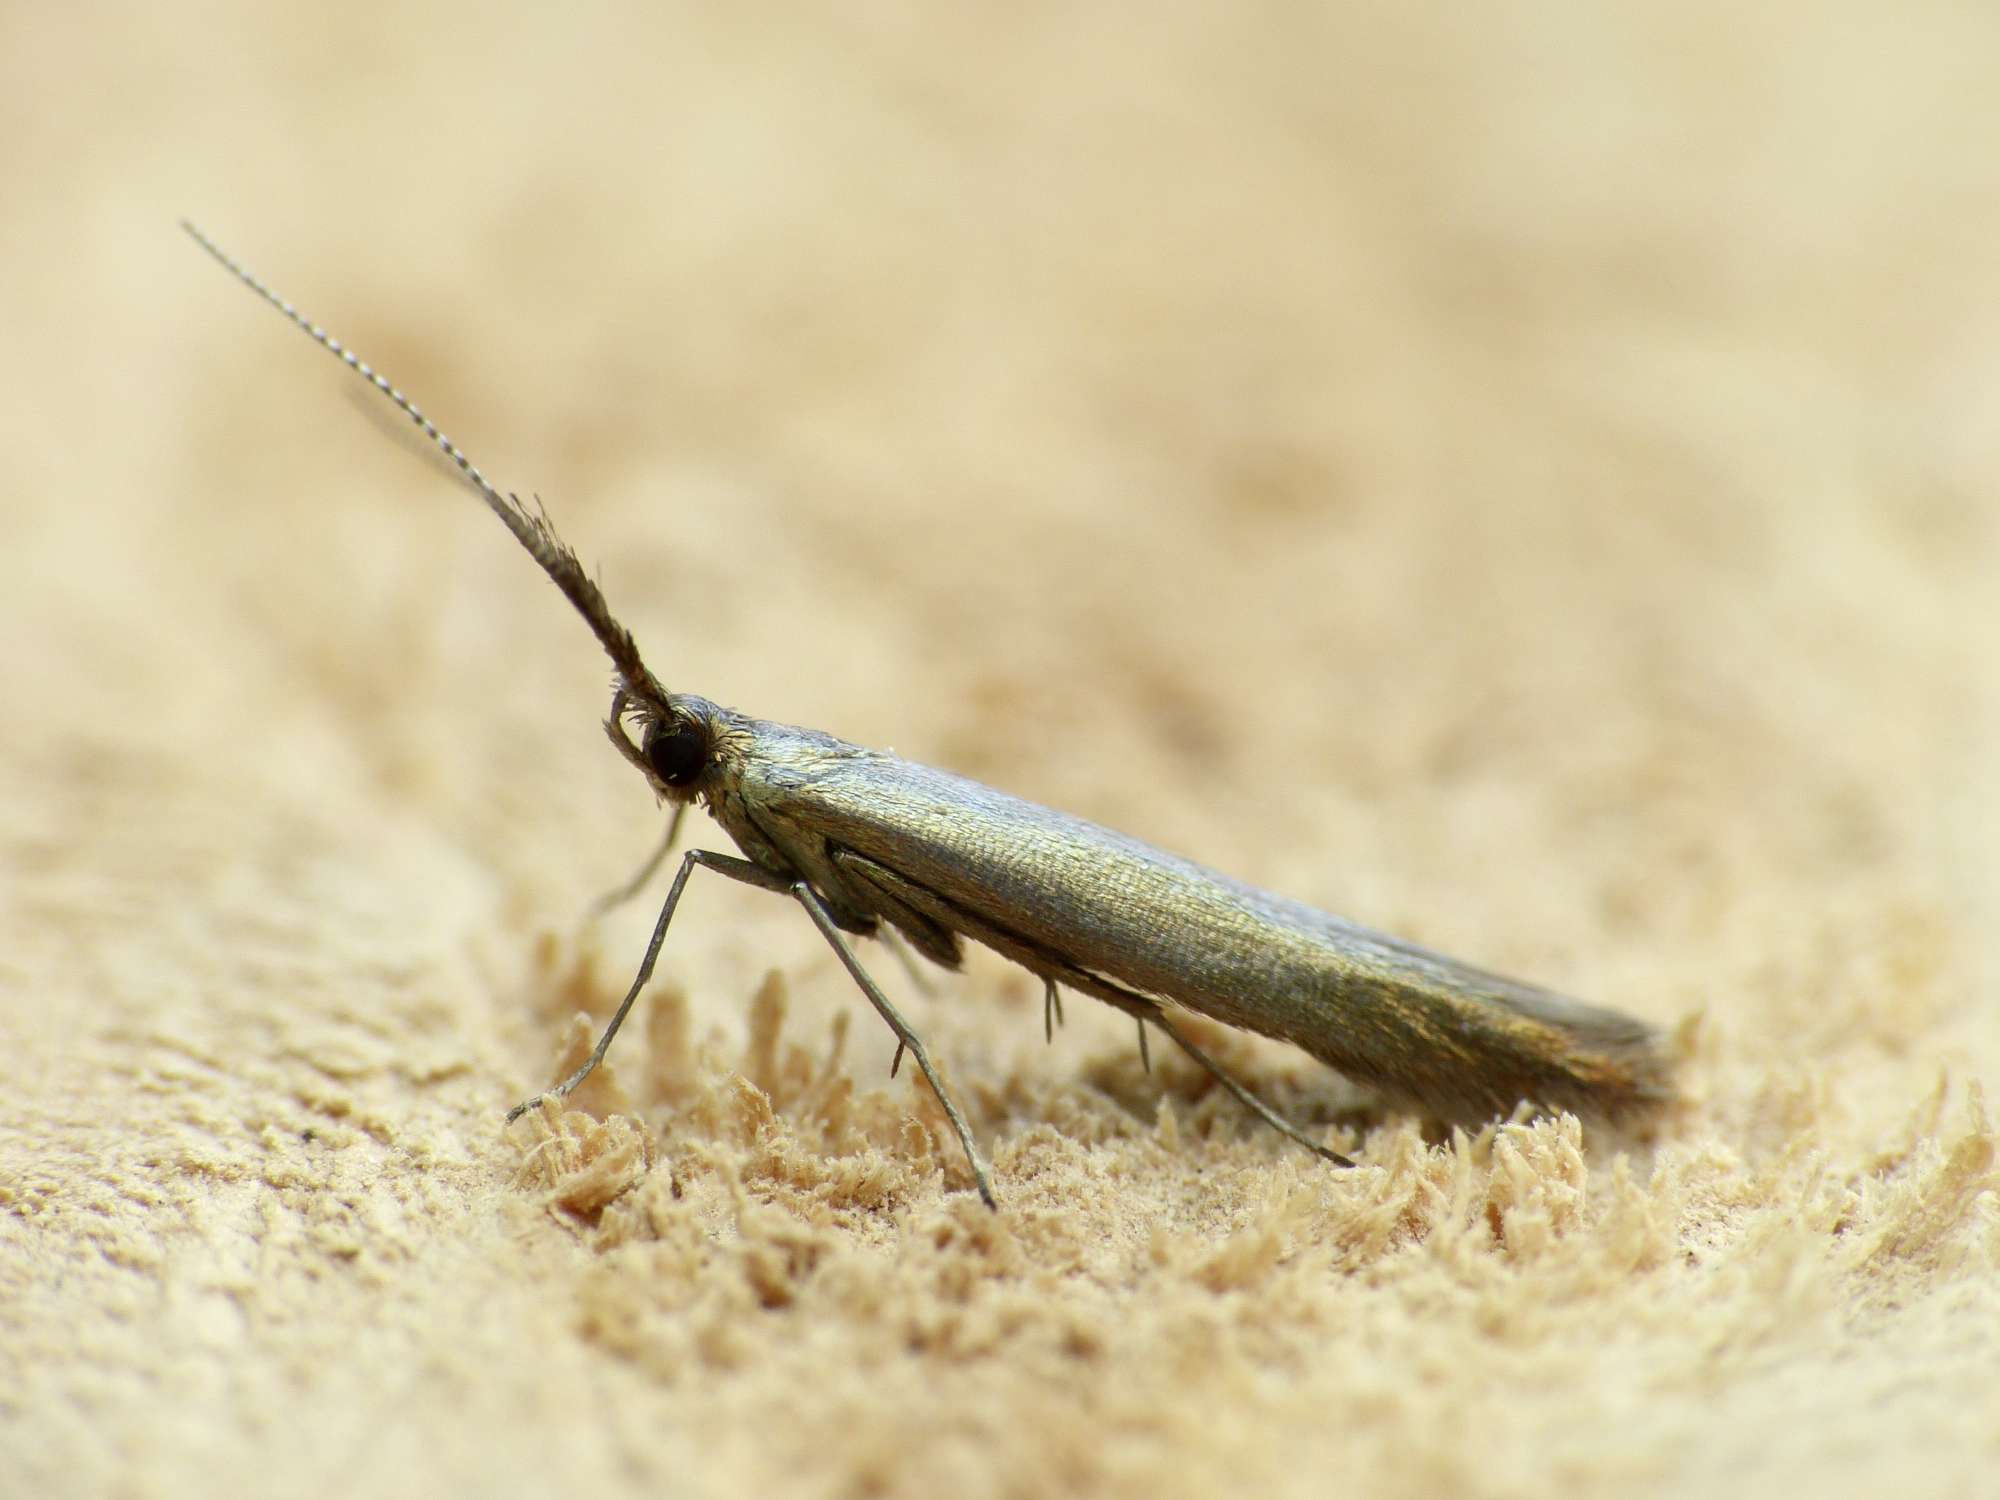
x=531, y=529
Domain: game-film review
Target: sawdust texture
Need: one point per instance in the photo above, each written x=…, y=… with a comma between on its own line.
x=1523, y=478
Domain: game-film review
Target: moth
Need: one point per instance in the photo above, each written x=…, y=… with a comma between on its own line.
x=869, y=844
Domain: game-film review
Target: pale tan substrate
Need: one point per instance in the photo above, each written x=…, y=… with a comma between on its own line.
x=1524, y=481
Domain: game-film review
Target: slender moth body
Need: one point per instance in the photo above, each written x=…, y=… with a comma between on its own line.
x=868, y=843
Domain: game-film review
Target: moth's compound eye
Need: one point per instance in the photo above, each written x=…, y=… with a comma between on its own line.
x=676, y=750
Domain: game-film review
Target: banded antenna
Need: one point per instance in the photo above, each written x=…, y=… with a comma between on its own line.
x=532, y=529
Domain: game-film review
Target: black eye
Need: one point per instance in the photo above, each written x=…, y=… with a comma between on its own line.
x=676, y=750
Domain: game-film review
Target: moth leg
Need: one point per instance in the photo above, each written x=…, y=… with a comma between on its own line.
x=1243, y=1095
x=897, y=944
x=1052, y=1015
x=619, y=896
x=723, y=864
x=906, y=1038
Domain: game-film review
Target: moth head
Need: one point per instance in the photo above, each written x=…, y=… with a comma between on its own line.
x=675, y=745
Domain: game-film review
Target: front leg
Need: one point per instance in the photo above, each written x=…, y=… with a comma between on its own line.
x=722, y=864
x=829, y=925
x=637, y=882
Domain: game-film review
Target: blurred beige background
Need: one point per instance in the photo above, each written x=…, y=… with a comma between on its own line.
x=1523, y=477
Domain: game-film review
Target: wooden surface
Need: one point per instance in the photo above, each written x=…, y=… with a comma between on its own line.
x=1525, y=481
